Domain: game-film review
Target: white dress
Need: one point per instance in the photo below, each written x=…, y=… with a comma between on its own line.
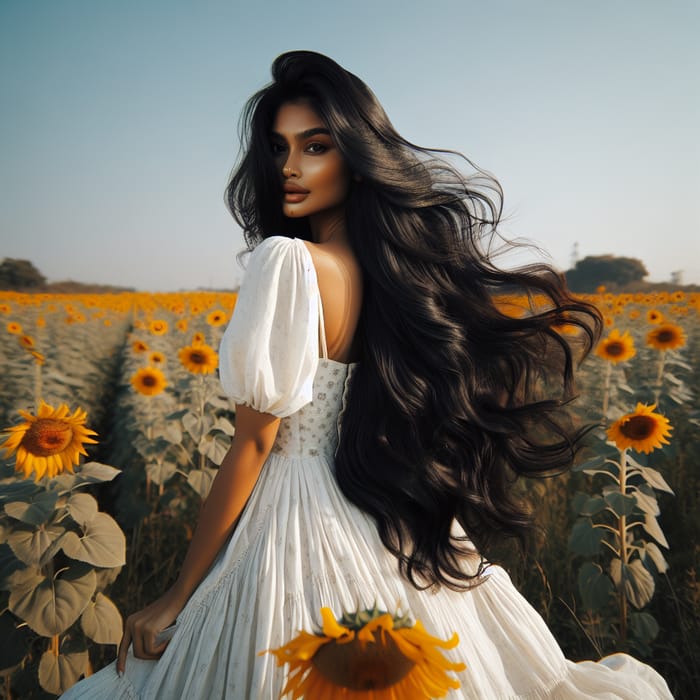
x=300, y=545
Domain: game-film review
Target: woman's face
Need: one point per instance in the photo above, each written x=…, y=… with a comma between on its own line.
x=314, y=175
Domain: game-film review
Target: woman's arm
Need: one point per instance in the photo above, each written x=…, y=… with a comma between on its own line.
x=231, y=488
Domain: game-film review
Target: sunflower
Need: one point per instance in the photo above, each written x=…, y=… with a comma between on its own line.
x=158, y=327
x=563, y=326
x=40, y=322
x=642, y=430
x=667, y=336
x=198, y=339
x=5, y=309
x=139, y=346
x=156, y=358
x=217, y=318
x=199, y=358
x=14, y=328
x=50, y=442
x=511, y=305
x=678, y=296
x=149, y=381
x=616, y=348
x=654, y=316
x=27, y=342
x=38, y=357
x=181, y=325
x=368, y=655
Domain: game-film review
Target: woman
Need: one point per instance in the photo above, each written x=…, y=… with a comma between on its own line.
x=384, y=402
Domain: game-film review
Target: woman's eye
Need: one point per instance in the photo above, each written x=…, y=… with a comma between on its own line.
x=316, y=148
x=277, y=147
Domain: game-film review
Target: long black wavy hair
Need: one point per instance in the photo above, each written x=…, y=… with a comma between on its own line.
x=454, y=395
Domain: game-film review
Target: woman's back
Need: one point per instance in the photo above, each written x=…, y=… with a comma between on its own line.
x=340, y=285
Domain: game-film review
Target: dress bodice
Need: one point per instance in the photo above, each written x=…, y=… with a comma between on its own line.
x=313, y=430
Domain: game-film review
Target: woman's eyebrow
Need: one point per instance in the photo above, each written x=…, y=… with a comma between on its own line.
x=308, y=133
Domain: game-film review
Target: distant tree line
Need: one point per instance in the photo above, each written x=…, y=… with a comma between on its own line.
x=590, y=273
x=605, y=270
x=22, y=276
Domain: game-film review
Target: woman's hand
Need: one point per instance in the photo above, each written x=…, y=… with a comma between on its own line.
x=142, y=627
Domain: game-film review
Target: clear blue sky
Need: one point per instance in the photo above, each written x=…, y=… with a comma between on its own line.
x=118, y=121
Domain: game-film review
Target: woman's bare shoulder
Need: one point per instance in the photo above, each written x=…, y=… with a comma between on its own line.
x=337, y=262
x=339, y=278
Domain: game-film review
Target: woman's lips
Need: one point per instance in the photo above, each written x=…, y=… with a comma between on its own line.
x=294, y=194
x=293, y=197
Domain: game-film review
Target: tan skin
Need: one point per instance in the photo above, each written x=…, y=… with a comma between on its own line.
x=307, y=160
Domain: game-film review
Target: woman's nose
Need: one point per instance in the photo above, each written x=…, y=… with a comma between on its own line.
x=291, y=166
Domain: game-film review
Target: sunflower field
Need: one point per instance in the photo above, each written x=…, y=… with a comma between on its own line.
x=113, y=425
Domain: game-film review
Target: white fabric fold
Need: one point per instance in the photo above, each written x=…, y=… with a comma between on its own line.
x=269, y=352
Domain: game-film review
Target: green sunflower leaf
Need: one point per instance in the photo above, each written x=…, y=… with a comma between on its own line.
x=585, y=539
x=636, y=580
x=30, y=544
x=102, y=544
x=82, y=508
x=595, y=586
x=102, y=621
x=35, y=510
x=201, y=479
x=58, y=673
x=51, y=605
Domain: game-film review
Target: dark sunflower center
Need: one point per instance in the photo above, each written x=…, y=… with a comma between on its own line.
x=638, y=427
x=615, y=348
x=47, y=437
x=149, y=380
x=665, y=336
x=359, y=666
x=197, y=357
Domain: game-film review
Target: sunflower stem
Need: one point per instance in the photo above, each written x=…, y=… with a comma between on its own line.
x=659, y=376
x=606, y=390
x=622, y=535
x=37, y=386
x=149, y=437
x=610, y=547
x=201, y=404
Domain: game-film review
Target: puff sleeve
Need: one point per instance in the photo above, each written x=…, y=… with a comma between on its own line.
x=269, y=353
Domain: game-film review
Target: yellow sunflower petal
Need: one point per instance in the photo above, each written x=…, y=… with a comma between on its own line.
x=302, y=648
x=331, y=627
